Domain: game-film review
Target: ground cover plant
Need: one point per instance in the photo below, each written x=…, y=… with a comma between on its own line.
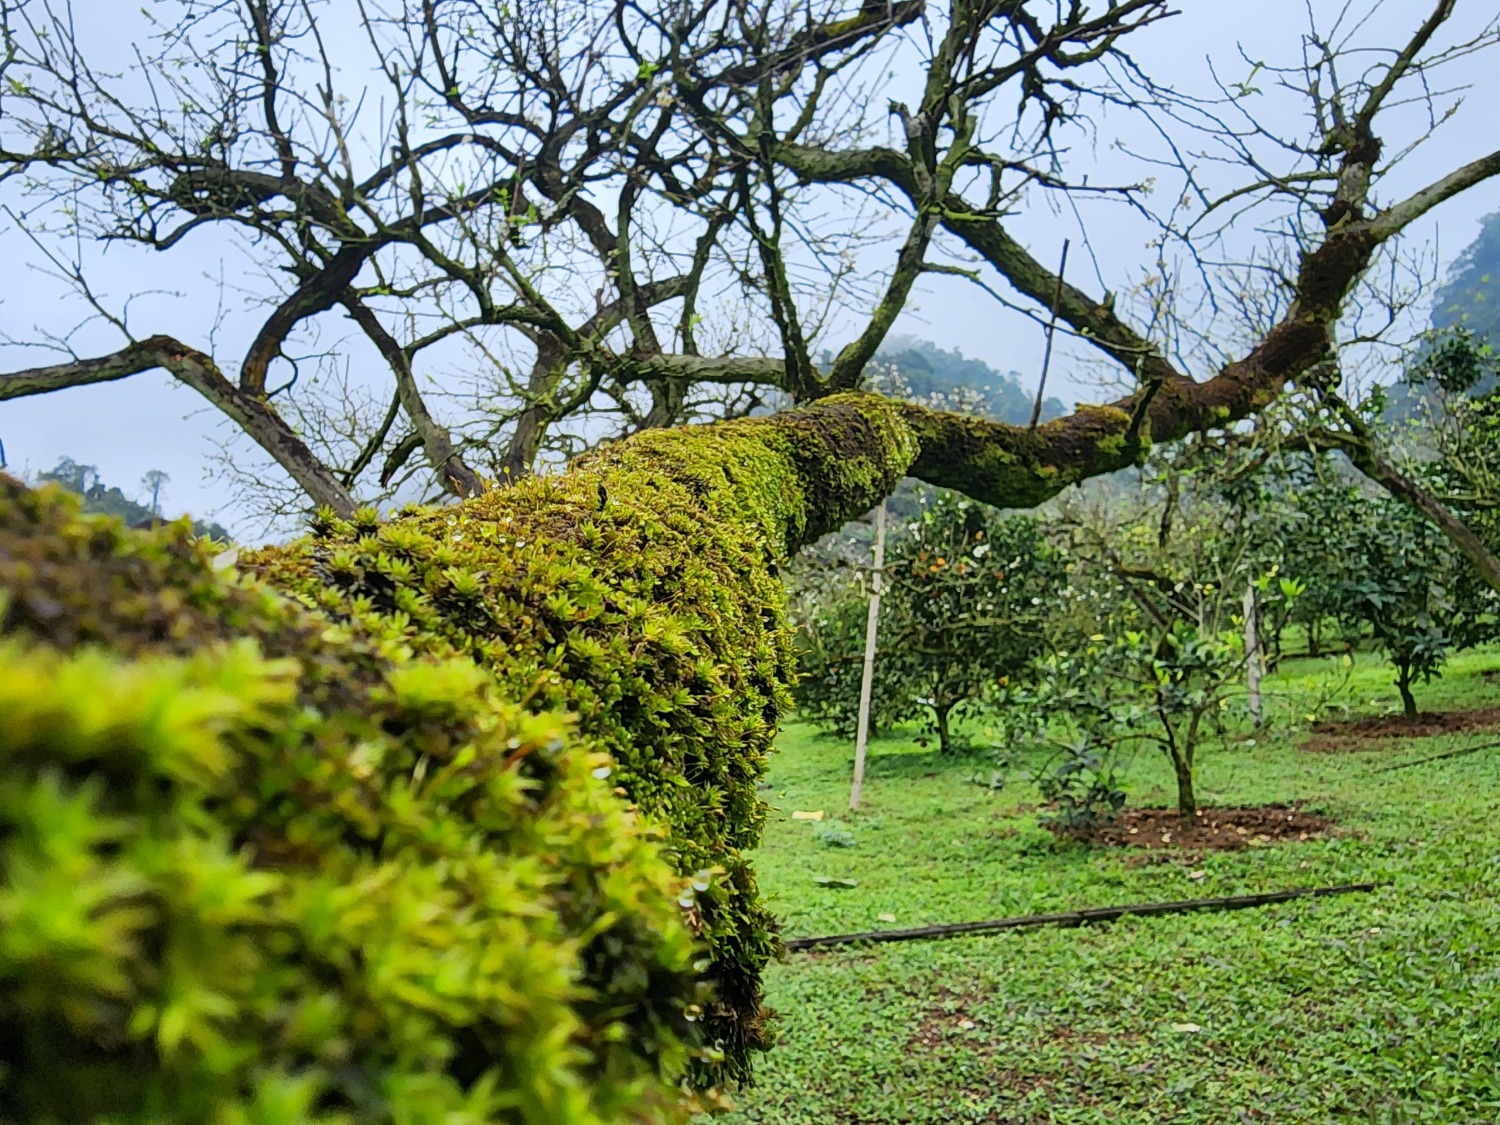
x=1368, y=1008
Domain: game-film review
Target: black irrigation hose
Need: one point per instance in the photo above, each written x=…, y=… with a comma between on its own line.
x=1077, y=917
x=1440, y=757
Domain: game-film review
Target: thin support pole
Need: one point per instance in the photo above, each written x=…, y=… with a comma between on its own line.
x=867, y=682
x=1253, y=662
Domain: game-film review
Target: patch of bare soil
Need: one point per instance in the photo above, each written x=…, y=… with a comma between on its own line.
x=946, y=1027
x=1332, y=736
x=1212, y=830
x=948, y=1032
x=941, y=1023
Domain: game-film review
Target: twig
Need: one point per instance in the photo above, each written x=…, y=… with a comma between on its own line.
x=1132, y=435
x=1041, y=385
x=1078, y=917
x=1440, y=757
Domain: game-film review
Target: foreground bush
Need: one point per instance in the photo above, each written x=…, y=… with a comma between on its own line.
x=437, y=819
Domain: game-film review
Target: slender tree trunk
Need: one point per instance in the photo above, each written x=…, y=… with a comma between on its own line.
x=1315, y=637
x=945, y=734
x=1403, y=684
x=1187, y=797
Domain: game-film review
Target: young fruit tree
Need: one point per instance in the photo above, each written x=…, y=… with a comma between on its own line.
x=968, y=607
x=1392, y=572
x=447, y=813
x=1092, y=710
x=1166, y=564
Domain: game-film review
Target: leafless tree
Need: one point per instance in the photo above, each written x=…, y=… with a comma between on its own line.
x=614, y=217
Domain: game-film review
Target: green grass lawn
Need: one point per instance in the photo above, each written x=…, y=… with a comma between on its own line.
x=1381, y=1007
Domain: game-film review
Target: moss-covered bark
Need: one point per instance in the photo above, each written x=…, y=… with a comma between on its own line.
x=442, y=817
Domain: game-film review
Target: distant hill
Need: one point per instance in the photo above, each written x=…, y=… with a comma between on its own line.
x=1470, y=296
x=929, y=371
x=1468, y=299
x=100, y=499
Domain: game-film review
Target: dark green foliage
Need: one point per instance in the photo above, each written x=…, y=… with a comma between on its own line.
x=1307, y=513
x=1074, y=720
x=1456, y=362
x=1460, y=432
x=1163, y=569
x=831, y=611
x=454, y=834
x=1397, y=568
x=1081, y=790
x=1372, y=563
x=971, y=596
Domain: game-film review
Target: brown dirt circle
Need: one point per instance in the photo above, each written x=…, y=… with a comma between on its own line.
x=1215, y=830
x=1332, y=736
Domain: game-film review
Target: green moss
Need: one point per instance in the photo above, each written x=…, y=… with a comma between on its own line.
x=446, y=834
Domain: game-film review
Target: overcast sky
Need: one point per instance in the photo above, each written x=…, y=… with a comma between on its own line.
x=147, y=422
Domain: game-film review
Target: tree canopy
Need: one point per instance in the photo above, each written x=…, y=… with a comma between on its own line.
x=619, y=219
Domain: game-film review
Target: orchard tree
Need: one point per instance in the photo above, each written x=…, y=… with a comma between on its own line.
x=449, y=814
x=1377, y=564
x=1164, y=689
x=1395, y=585
x=1389, y=569
x=1168, y=562
x=829, y=609
x=970, y=604
x=970, y=601
x=1314, y=510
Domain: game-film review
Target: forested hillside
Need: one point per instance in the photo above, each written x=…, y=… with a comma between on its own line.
x=1470, y=296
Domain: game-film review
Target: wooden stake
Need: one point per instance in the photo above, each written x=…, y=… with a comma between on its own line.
x=866, y=684
x=1252, y=656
